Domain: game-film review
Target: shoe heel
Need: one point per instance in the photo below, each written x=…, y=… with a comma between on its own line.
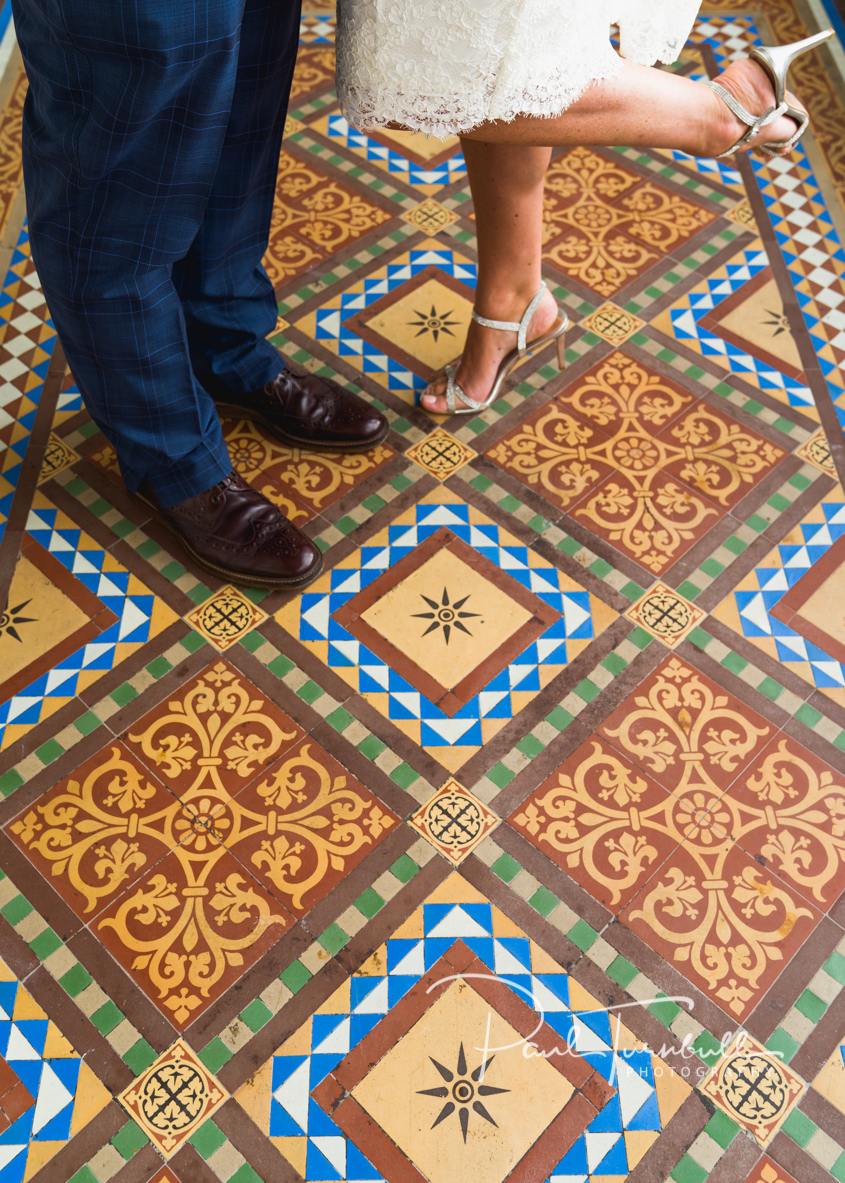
x=776, y=59
x=560, y=346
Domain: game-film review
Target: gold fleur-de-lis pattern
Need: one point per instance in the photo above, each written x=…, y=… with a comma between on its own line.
x=190, y=847
x=718, y=840
x=637, y=460
x=604, y=225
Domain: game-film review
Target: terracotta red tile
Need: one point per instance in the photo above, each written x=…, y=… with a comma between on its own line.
x=724, y=922
x=684, y=730
x=216, y=733
x=621, y=389
x=788, y=811
x=720, y=458
x=603, y=822
x=99, y=829
x=304, y=825
x=190, y=930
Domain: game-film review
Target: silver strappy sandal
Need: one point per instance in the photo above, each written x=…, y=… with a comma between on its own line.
x=524, y=348
x=775, y=60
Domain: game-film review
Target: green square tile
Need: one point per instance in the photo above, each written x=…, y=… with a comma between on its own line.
x=699, y=638
x=587, y=690
x=779, y=502
x=251, y=641
x=600, y=568
x=404, y=775
x=799, y=1127
x=640, y=638
x=543, y=901
x=49, y=751
x=158, y=667
x=295, y=976
x=783, y=1044
x=530, y=746
x=665, y=1011
x=509, y=504
x=721, y=1129
x=339, y=719
x=404, y=869
x=207, y=1139
x=107, y=1017
x=45, y=943
x=621, y=971
x=371, y=747
x=245, y=1174
x=835, y=966
x=280, y=666
x=811, y=1006
x=632, y=591
x=838, y=1168
x=346, y=525
x=333, y=939
x=688, y=1171
x=139, y=1056
x=735, y=545
x=124, y=694
x=734, y=663
x=615, y=664
x=582, y=935
x=215, y=1054
x=84, y=1175
x=12, y=780
x=808, y=715
x=506, y=867
x=310, y=692
x=369, y=902
x=500, y=775
x=17, y=908
x=192, y=642
x=757, y=523
x=559, y=718
x=707, y=1048
x=129, y=1139
x=401, y=482
x=770, y=688
x=256, y=1015
x=799, y=481
x=173, y=571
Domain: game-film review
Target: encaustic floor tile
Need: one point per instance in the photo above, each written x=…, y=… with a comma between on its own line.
x=48, y=1091
x=402, y=1041
x=80, y=614
x=447, y=624
x=634, y=457
x=787, y=605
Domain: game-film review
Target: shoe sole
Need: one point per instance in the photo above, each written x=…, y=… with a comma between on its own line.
x=236, y=577
x=297, y=441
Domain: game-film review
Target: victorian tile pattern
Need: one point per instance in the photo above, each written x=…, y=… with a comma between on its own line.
x=513, y=846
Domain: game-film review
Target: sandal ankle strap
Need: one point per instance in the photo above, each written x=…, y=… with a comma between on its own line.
x=754, y=123
x=512, y=326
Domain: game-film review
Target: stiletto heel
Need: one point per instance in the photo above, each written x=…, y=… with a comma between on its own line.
x=561, y=349
x=775, y=60
x=524, y=348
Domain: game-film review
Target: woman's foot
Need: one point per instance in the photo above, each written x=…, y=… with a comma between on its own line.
x=749, y=84
x=485, y=350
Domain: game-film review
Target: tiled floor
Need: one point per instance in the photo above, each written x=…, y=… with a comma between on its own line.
x=513, y=847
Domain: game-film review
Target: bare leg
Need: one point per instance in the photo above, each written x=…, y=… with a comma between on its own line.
x=648, y=108
x=507, y=189
x=506, y=162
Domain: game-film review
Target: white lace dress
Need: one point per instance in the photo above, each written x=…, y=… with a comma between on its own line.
x=445, y=66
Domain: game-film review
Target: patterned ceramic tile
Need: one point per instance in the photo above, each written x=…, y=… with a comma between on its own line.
x=288, y=1097
x=300, y=481
x=225, y=617
x=426, y=164
x=440, y=454
x=430, y=216
x=754, y=1088
x=637, y=459
x=401, y=322
x=173, y=1097
x=454, y=821
x=830, y=1082
x=606, y=225
x=736, y=318
x=665, y=614
x=433, y=681
x=122, y=612
x=767, y=1171
x=759, y=608
x=817, y=451
x=612, y=323
x=57, y=457
x=313, y=217
x=315, y=71
x=49, y=1092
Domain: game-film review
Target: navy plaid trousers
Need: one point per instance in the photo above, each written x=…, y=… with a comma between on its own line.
x=151, y=140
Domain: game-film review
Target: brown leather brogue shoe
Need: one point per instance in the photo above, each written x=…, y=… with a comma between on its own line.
x=310, y=412
x=236, y=533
